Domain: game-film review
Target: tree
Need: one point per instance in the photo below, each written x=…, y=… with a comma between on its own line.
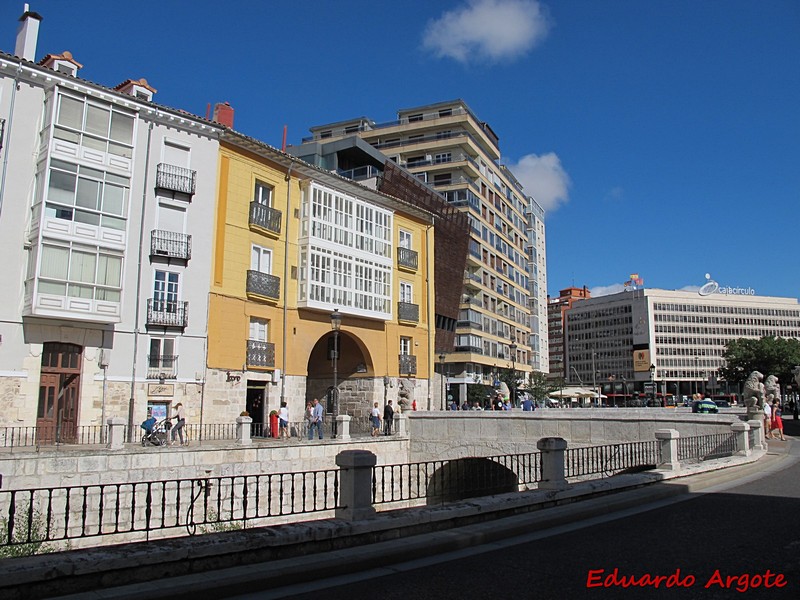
x=768, y=355
x=540, y=387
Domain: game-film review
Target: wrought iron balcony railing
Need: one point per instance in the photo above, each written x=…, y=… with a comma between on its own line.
x=263, y=285
x=176, y=179
x=408, y=312
x=408, y=364
x=260, y=354
x=167, y=313
x=161, y=366
x=407, y=258
x=265, y=217
x=170, y=244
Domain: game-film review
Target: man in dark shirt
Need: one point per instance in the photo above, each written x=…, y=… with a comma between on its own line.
x=388, y=416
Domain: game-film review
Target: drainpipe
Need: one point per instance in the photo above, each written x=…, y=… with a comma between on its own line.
x=8, y=133
x=431, y=310
x=139, y=283
x=286, y=281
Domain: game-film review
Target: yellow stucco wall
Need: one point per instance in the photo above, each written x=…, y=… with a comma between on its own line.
x=230, y=309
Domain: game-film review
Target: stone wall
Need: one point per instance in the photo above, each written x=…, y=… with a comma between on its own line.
x=457, y=434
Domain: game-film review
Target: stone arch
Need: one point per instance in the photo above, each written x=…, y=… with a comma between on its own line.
x=355, y=373
x=464, y=478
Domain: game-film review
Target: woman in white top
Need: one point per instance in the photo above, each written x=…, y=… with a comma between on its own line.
x=375, y=418
x=283, y=420
x=180, y=422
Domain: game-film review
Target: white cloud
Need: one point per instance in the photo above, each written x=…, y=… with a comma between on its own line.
x=689, y=288
x=544, y=178
x=607, y=290
x=490, y=30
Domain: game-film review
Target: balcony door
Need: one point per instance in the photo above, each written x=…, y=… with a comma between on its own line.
x=59, y=391
x=165, y=292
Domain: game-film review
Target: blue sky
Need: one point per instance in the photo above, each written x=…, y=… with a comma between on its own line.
x=663, y=137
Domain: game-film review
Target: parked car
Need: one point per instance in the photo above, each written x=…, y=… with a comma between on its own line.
x=722, y=403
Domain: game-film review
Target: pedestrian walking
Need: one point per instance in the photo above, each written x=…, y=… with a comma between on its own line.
x=767, y=408
x=777, y=422
x=388, y=417
x=375, y=419
x=180, y=422
x=283, y=421
x=317, y=415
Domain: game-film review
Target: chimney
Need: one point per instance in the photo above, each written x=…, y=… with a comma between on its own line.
x=223, y=114
x=27, y=34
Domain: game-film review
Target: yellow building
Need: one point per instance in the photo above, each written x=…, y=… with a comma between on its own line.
x=294, y=244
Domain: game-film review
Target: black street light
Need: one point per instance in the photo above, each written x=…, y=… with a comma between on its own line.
x=652, y=383
x=696, y=373
x=336, y=325
x=441, y=366
x=513, y=348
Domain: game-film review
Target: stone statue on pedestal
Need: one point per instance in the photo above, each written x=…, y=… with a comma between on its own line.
x=754, y=396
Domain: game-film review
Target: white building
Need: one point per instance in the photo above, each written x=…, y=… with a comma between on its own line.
x=105, y=297
x=613, y=340
x=537, y=287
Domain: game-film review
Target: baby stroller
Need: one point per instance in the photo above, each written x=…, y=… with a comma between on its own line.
x=155, y=433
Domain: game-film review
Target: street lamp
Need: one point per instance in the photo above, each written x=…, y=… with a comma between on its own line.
x=624, y=391
x=441, y=366
x=513, y=348
x=336, y=325
x=594, y=378
x=696, y=371
x=652, y=382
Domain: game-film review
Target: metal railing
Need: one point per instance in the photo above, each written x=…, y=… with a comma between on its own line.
x=260, y=354
x=135, y=509
x=265, y=217
x=610, y=459
x=167, y=313
x=177, y=179
x=704, y=447
x=170, y=244
x=441, y=481
x=407, y=258
x=54, y=435
x=407, y=311
x=263, y=285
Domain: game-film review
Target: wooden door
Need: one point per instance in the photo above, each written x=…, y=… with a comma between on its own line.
x=59, y=391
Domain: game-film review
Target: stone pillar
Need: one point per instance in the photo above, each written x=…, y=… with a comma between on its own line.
x=343, y=427
x=243, y=431
x=400, y=424
x=116, y=433
x=668, y=449
x=742, y=432
x=552, y=449
x=757, y=427
x=355, y=484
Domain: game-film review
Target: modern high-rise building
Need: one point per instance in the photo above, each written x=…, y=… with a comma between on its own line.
x=673, y=340
x=556, y=318
x=501, y=322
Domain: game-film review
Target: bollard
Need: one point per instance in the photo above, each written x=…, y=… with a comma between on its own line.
x=742, y=432
x=400, y=424
x=355, y=484
x=243, y=431
x=757, y=427
x=116, y=433
x=668, y=449
x=552, y=449
x=343, y=427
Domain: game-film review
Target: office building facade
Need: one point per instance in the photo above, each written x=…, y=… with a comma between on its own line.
x=613, y=341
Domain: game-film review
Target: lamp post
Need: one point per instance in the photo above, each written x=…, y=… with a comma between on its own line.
x=624, y=391
x=594, y=378
x=336, y=325
x=696, y=371
x=652, y=382
x=441, y=366
x=513, y=348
